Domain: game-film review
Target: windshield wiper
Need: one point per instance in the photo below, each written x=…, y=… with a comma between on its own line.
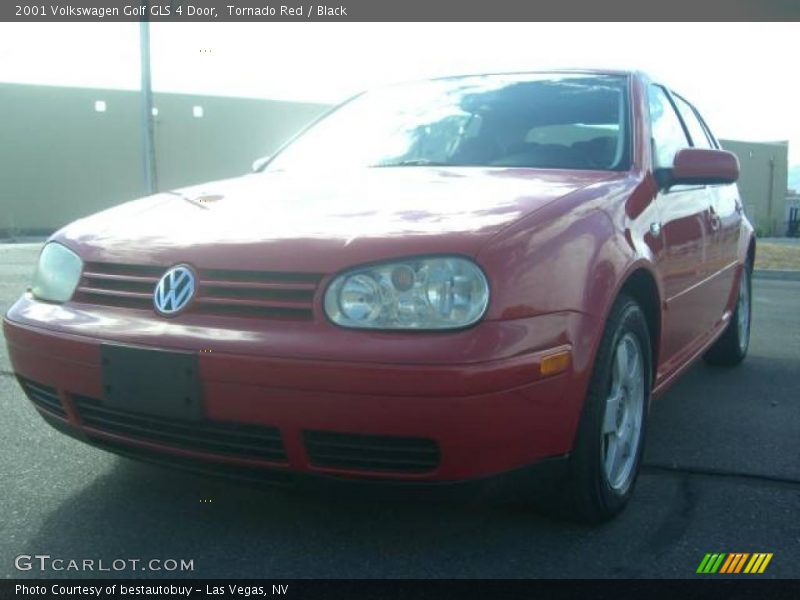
x=416, y=162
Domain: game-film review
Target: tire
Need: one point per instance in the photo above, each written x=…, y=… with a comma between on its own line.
x=731, y=347
x=610, y=439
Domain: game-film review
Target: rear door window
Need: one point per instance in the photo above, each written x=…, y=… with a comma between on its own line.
x=696, y=130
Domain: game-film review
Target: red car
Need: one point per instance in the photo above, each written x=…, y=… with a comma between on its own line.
x=436, y=282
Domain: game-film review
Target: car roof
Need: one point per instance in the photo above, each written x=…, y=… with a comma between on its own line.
x=571, y=70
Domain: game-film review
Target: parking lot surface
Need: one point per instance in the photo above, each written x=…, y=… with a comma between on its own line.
x=721, y=474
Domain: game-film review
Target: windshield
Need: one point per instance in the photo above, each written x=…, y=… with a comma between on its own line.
x=561, y=121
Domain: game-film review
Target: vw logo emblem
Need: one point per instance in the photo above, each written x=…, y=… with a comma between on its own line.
x=175, y=290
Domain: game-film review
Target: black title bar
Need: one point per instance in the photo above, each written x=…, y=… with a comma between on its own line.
x=408, y=589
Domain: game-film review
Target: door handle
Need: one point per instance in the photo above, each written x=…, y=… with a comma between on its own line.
x=713, y=218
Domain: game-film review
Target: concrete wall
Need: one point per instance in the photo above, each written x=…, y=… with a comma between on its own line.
x=60, y=159
x=762, y=183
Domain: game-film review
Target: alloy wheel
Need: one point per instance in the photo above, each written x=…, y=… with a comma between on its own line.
x=743, y=311
x=622, y=420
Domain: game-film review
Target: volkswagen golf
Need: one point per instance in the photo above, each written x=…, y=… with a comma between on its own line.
x=453, y=280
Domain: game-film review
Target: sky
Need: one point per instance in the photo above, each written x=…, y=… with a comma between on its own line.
x=735, y=73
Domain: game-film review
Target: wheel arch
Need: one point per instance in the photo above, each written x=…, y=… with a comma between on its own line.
x=641, y=285
x=751, y=252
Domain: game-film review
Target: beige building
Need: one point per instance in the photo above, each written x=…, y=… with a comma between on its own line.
x=762, y=183
x=68, y=152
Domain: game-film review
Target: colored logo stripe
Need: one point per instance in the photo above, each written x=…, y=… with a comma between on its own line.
x=734, y=562
x=758, y=563
x=710, y=563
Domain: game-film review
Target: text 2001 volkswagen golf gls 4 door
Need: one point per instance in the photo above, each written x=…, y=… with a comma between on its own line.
x=436, y=282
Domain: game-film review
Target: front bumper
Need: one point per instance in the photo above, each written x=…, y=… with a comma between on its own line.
x=482, y=417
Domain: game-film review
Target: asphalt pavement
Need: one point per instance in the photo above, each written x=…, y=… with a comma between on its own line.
x=721, y=474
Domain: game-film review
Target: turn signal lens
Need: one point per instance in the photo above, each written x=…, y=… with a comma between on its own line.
x=555, y=363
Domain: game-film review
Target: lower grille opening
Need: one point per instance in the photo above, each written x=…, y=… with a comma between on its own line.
x=43, y=396
x=217, y=437
x=202, y=467
x=371, y=452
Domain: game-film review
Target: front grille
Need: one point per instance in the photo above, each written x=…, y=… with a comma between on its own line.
x=203, y=467
x=371, y=452
x=43, y=396
x=217, y=437
x=264, y=294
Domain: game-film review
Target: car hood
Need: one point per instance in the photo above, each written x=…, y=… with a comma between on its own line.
x=321, y=223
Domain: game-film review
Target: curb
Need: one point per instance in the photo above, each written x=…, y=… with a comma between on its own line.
x=781, y=275
x=22, y=241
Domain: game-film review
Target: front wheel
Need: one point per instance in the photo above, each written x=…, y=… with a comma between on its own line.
x=608, y=447
x=731, y=347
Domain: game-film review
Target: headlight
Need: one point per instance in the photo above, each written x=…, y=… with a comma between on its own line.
x=57, y=273
x=426, y=293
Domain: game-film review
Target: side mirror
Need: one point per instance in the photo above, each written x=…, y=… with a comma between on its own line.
x=701, y=166
x=260, y=163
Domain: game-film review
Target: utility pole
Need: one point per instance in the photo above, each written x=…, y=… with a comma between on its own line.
x=148, y=137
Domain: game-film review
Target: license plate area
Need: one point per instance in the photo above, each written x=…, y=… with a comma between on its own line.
x=155, y=382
